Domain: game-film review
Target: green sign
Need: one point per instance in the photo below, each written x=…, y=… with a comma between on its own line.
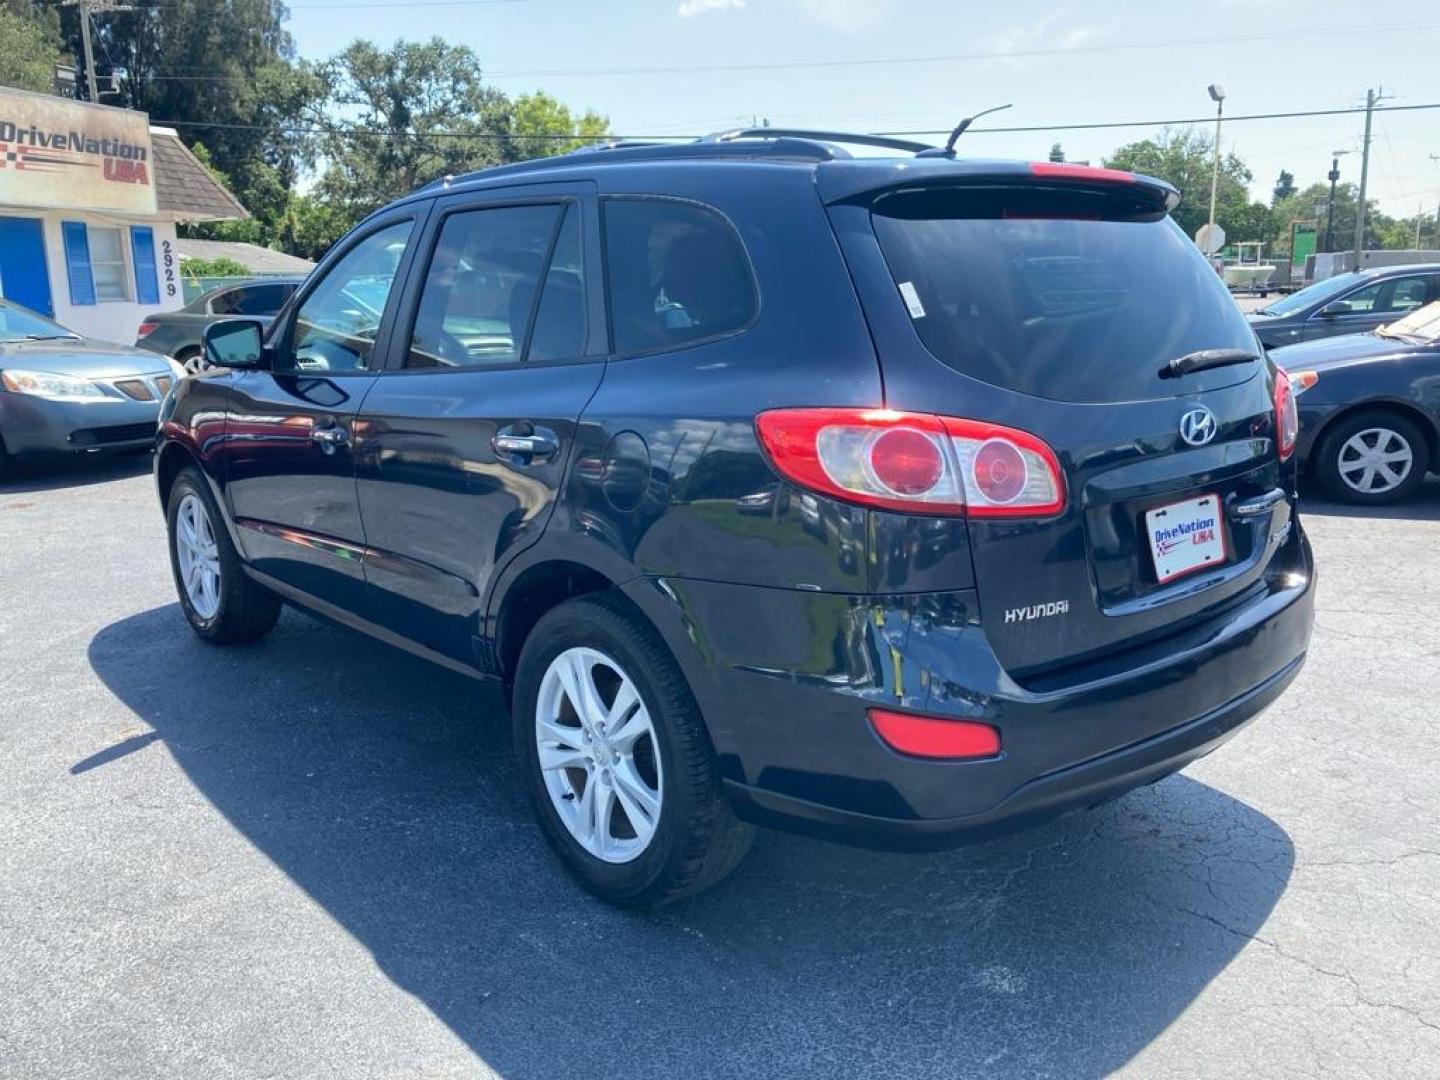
x=1302, y=243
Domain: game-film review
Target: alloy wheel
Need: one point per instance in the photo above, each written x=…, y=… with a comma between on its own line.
x=1375, y=461
x=598, y=755
x=198, y=556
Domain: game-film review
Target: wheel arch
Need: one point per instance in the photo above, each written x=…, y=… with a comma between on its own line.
x=539, y=587
x=173, y=457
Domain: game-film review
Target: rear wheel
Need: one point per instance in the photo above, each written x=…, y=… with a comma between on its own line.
x=223, y=605
x=1376, y=456
x=616, y=759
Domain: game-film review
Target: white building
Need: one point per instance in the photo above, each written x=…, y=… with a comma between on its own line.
x=89, y=199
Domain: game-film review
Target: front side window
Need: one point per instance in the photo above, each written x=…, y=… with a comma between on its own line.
x=335, y=328
x=1409, y=294
x=107, y=264
x=677, y=272
x=478, y=307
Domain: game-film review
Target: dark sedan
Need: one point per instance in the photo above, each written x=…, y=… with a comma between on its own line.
x=1370, y=419
x=1350, y=303
x=179, y=333
x=63, y=394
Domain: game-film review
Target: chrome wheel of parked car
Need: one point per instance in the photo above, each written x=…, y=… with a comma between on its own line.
x=194, y=362
x=199, y=557
x=597, y=752
x=1375, y=461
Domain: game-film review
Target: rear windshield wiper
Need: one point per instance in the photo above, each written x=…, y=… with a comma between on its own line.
x=1204, y=359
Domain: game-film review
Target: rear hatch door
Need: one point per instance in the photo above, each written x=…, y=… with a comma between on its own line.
x=1053, y=304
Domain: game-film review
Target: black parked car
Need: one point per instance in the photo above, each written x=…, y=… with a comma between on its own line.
x=1349, y=303
x=181, y=333
x=1370, y=423
x=897, y=500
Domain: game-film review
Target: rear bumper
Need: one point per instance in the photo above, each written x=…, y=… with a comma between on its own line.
x=1086, y=784
x=784, y=679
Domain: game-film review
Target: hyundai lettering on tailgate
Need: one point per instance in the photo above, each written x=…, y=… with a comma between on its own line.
x=1185, y=537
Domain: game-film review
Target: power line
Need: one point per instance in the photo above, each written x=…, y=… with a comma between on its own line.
x=298, y=130
x=1164, y=123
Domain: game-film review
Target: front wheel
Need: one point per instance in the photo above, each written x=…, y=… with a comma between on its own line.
x=616, y=759
x=1374, y=457
x=222, y=604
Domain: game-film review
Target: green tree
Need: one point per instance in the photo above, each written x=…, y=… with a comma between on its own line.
x=1284, y=187
x=31, y=48
x=402, y=117
x=1185, y=157
x=1311, y=203
x=542, y=126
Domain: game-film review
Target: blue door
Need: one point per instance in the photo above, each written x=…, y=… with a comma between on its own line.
x=24, y=277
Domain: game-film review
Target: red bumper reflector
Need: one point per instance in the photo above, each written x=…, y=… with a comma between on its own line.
x=925, y=736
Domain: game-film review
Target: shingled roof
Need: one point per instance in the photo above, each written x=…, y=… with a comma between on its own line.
x=184, y=188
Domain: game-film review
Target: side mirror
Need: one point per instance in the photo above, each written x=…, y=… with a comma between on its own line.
x=1335, y=308
x=235, y=343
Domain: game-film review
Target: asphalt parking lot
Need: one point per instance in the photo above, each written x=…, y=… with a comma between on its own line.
x=310, y=857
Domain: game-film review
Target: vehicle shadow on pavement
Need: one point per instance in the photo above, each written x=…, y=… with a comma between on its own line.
x=1423, y=506
x=383, y=787
x=72, y=472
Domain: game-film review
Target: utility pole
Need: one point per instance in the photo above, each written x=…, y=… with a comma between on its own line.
x=89, y=8
x=94, y=94
x=1372, y=98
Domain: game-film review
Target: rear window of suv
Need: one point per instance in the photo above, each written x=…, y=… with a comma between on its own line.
x=1073, y=295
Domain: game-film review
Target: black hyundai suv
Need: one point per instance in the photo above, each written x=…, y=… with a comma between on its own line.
x=898, y=500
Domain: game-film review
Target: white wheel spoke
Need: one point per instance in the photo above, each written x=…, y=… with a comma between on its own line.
x=198, y=557
x=563, y=757
x=641, y=805
x=580, y=689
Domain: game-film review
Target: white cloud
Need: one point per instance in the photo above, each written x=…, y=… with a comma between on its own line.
x=688, y=9
x=1046, y=34
x=848, y=16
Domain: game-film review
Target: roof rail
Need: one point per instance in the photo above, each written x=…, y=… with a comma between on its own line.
x=841, y=137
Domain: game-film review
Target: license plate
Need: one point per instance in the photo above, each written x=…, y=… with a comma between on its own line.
x=1186, y=537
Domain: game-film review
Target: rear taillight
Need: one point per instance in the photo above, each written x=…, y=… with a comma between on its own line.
x=917, y=463
x=1287, y=418
x=146, y=328
x=1065, y=171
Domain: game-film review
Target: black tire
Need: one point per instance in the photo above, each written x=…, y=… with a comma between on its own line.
x=1332, y=445
x=698, y=839
x=247, y=610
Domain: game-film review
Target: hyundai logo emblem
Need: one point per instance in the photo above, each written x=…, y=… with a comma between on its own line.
x=1198, y=427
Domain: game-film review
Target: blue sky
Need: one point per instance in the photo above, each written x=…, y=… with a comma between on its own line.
x=1057, y=63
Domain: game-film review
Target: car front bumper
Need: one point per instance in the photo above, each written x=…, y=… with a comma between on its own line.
x=33, y=426
x=784, y=679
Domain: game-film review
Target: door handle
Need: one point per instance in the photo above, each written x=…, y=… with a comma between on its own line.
x=534, y=447
x=330, y=438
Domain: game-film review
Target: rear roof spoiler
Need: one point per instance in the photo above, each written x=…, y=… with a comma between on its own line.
x=842, y=181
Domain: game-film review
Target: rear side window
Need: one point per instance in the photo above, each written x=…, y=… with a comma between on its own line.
x=1073, y=295
x=261, y=299
x=678, y=274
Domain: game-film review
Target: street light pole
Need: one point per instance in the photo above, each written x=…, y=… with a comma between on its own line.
x=1333, y=176
x=1217, y=95
x=94, y=94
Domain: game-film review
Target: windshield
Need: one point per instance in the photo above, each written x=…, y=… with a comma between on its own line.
x=1422, y=324
x=1074, y=296
x=20, y=324
x=1311, y=294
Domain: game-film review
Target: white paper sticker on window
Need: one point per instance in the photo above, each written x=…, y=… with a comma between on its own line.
x=912, y=300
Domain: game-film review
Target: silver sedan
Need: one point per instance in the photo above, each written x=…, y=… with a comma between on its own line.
x=62, y=394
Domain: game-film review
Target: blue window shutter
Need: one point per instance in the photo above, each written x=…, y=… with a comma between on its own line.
x=77, y=262
x=142, y=245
